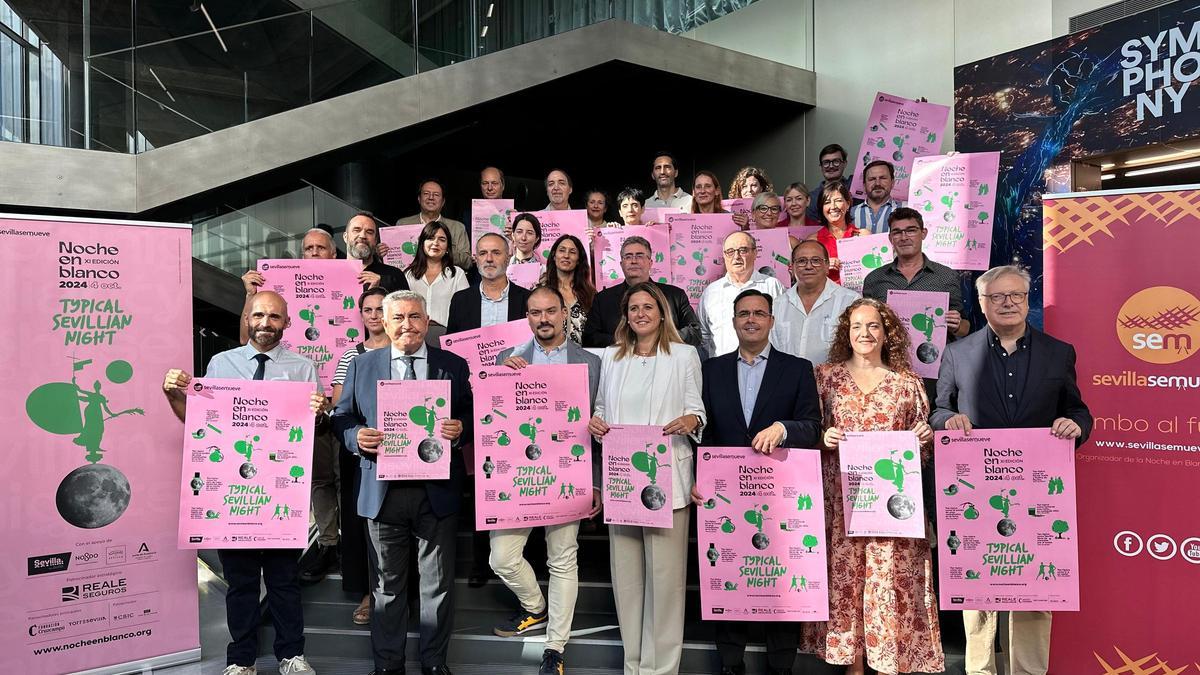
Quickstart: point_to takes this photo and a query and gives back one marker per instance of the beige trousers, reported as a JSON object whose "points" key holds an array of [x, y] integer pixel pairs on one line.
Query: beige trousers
{"points": [[1028, 646], [562, 548], [649, 573], [325, 503]]}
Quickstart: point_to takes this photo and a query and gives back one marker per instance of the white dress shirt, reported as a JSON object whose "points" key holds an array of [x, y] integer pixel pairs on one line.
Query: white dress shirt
{"points": [[809, 334], [716, 310], [438, 294]]}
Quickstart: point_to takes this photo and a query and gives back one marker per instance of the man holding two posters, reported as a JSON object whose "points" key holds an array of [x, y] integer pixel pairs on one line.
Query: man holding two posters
{"points": [[1009, 375], [550, 346], [398, 511], [263, 358], [761, 398]]}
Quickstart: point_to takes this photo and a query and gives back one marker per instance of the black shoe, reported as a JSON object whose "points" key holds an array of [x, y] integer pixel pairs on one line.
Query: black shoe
{"points": [[436, 670], [522, 622], [316, 565], [479, 578], [387, 671], [552, 663], [733, 670]]}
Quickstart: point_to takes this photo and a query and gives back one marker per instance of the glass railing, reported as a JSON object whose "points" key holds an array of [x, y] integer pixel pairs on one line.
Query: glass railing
{"points": [[274, 228], [156, 72]]}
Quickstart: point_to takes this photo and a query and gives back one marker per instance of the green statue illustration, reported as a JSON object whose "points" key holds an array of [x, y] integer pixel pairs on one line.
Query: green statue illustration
{"points": [[647, 462], [68, 408]]}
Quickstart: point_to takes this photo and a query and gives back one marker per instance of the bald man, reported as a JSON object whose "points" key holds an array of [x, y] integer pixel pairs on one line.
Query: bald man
{"points": [[740, 251], [262, 358]]}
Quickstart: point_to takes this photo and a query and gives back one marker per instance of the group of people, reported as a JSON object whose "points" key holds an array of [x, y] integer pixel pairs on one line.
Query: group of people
{"points": [[754, 365]]}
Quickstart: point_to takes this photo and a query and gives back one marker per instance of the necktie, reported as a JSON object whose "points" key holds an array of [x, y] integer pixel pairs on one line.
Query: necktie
{"points": [[410, 371], [262, 366]]}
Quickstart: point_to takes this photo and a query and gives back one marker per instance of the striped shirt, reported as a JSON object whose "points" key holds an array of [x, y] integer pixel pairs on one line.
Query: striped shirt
{"points": [[875, 221], [932, 277]]}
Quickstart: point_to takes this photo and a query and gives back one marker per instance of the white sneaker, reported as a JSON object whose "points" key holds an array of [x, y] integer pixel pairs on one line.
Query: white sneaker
{"points": [[296, 664], [239, 670]]}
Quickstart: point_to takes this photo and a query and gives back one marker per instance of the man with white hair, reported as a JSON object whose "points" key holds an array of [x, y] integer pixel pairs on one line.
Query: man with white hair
{"points": [[740, 250], [399, 511], [1009, 375]]}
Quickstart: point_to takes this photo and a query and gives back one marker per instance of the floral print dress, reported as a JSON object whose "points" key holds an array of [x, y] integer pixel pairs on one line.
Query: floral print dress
{"points": [[881, 599]]}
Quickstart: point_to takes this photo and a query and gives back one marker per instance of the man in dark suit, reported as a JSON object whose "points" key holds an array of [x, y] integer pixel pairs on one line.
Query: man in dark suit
{"points": [[398, 511], [762, 398], [494, 299], [606, 307], [1009, 375]]}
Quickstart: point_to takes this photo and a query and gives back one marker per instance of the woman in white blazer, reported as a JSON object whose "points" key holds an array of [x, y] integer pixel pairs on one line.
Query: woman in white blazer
{"points": [[651, 377]]}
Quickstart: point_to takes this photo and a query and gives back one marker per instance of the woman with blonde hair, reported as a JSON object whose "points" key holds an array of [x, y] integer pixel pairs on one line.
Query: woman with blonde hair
{"points": [[706, 193]]}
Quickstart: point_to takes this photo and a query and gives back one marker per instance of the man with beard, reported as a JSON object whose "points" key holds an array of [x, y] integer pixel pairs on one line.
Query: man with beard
{"points": [[401, 511], [263, 358], [872, 215], [716, 304], [362, 242], [547, 319], [761, 398], [636, 259], [666, 194]]}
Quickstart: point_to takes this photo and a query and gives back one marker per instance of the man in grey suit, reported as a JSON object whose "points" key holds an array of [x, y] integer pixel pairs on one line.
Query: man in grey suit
{"points": [[399, 511], [432, 199], [547, 312]]}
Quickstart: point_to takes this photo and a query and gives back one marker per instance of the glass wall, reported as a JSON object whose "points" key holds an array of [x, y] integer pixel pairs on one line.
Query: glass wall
{"points": [[132, 75]]}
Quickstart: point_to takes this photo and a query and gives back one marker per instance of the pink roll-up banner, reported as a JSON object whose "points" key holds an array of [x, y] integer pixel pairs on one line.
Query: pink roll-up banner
{"points": [[696, 258], [533, 462], [401, 241], [489, 215], [481, 346], [322, 298], [97, 312], [247, 464], [924, 315], [760, 535], [526, 275], [898, 131], [881, 483], [606, 263], [410, 416], [774, 256], [555, 224], [637, 476], [1006, 515], [862, 255], [956, 195]]}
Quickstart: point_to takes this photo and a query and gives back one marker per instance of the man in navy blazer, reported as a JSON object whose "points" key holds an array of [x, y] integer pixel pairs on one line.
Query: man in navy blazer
{"points": [[762, 398], [399, 511], [1009, 375]]}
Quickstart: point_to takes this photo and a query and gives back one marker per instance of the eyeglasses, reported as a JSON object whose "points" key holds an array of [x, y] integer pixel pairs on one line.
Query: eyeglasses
{"points": [[809, 262], [758, 314], [763, 208], [632, 257], [741, 250], [1017, 297], [832, 163], [906, 232]]}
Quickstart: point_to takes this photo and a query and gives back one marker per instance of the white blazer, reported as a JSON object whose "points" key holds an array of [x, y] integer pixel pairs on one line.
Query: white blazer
{"points": [[677, 391]]}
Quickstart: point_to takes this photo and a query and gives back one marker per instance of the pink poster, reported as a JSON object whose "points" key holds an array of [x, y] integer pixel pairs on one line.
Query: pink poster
{"points": [[881, 483], [402, 244], [802, 232], [898, 131], [489, 215], [774, 254], [481, 346], [956, 195], [760, 535], [924, 315], [1006, 514], [862, 255], [532, 460], [557, 223], [97, 312], [657, 215], [410, 416], [526, 275], [606, 263], [696, 258], [247, 464], [637, 476], [322, 296], [740, 205]]}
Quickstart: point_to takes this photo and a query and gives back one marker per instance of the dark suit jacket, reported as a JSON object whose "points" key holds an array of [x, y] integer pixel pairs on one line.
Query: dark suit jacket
{"points": [[391, 278], [788, 395], [1050, 390], [357, 409], [466, 312], [605, 314]]}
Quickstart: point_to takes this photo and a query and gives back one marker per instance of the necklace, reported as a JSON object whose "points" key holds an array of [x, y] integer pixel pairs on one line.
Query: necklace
{"points": [[644, 357]]}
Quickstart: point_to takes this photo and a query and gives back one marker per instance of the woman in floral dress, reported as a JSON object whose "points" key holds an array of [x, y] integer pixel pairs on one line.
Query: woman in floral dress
{"points": [[881, 600]]}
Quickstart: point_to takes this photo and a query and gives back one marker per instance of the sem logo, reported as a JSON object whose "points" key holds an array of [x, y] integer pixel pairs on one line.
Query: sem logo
{"points": [[1160, 324], [70, 593]]}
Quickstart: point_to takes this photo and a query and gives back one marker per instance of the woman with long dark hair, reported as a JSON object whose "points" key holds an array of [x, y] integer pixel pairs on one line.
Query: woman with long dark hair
{"points": [[836, 224], [568, 272], [433, 274]]}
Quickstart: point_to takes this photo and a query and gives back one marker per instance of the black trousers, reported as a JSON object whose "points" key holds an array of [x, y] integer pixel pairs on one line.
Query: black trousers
{"points": [[404, 519], [279, 568], [353, 543], [782, 638]]}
